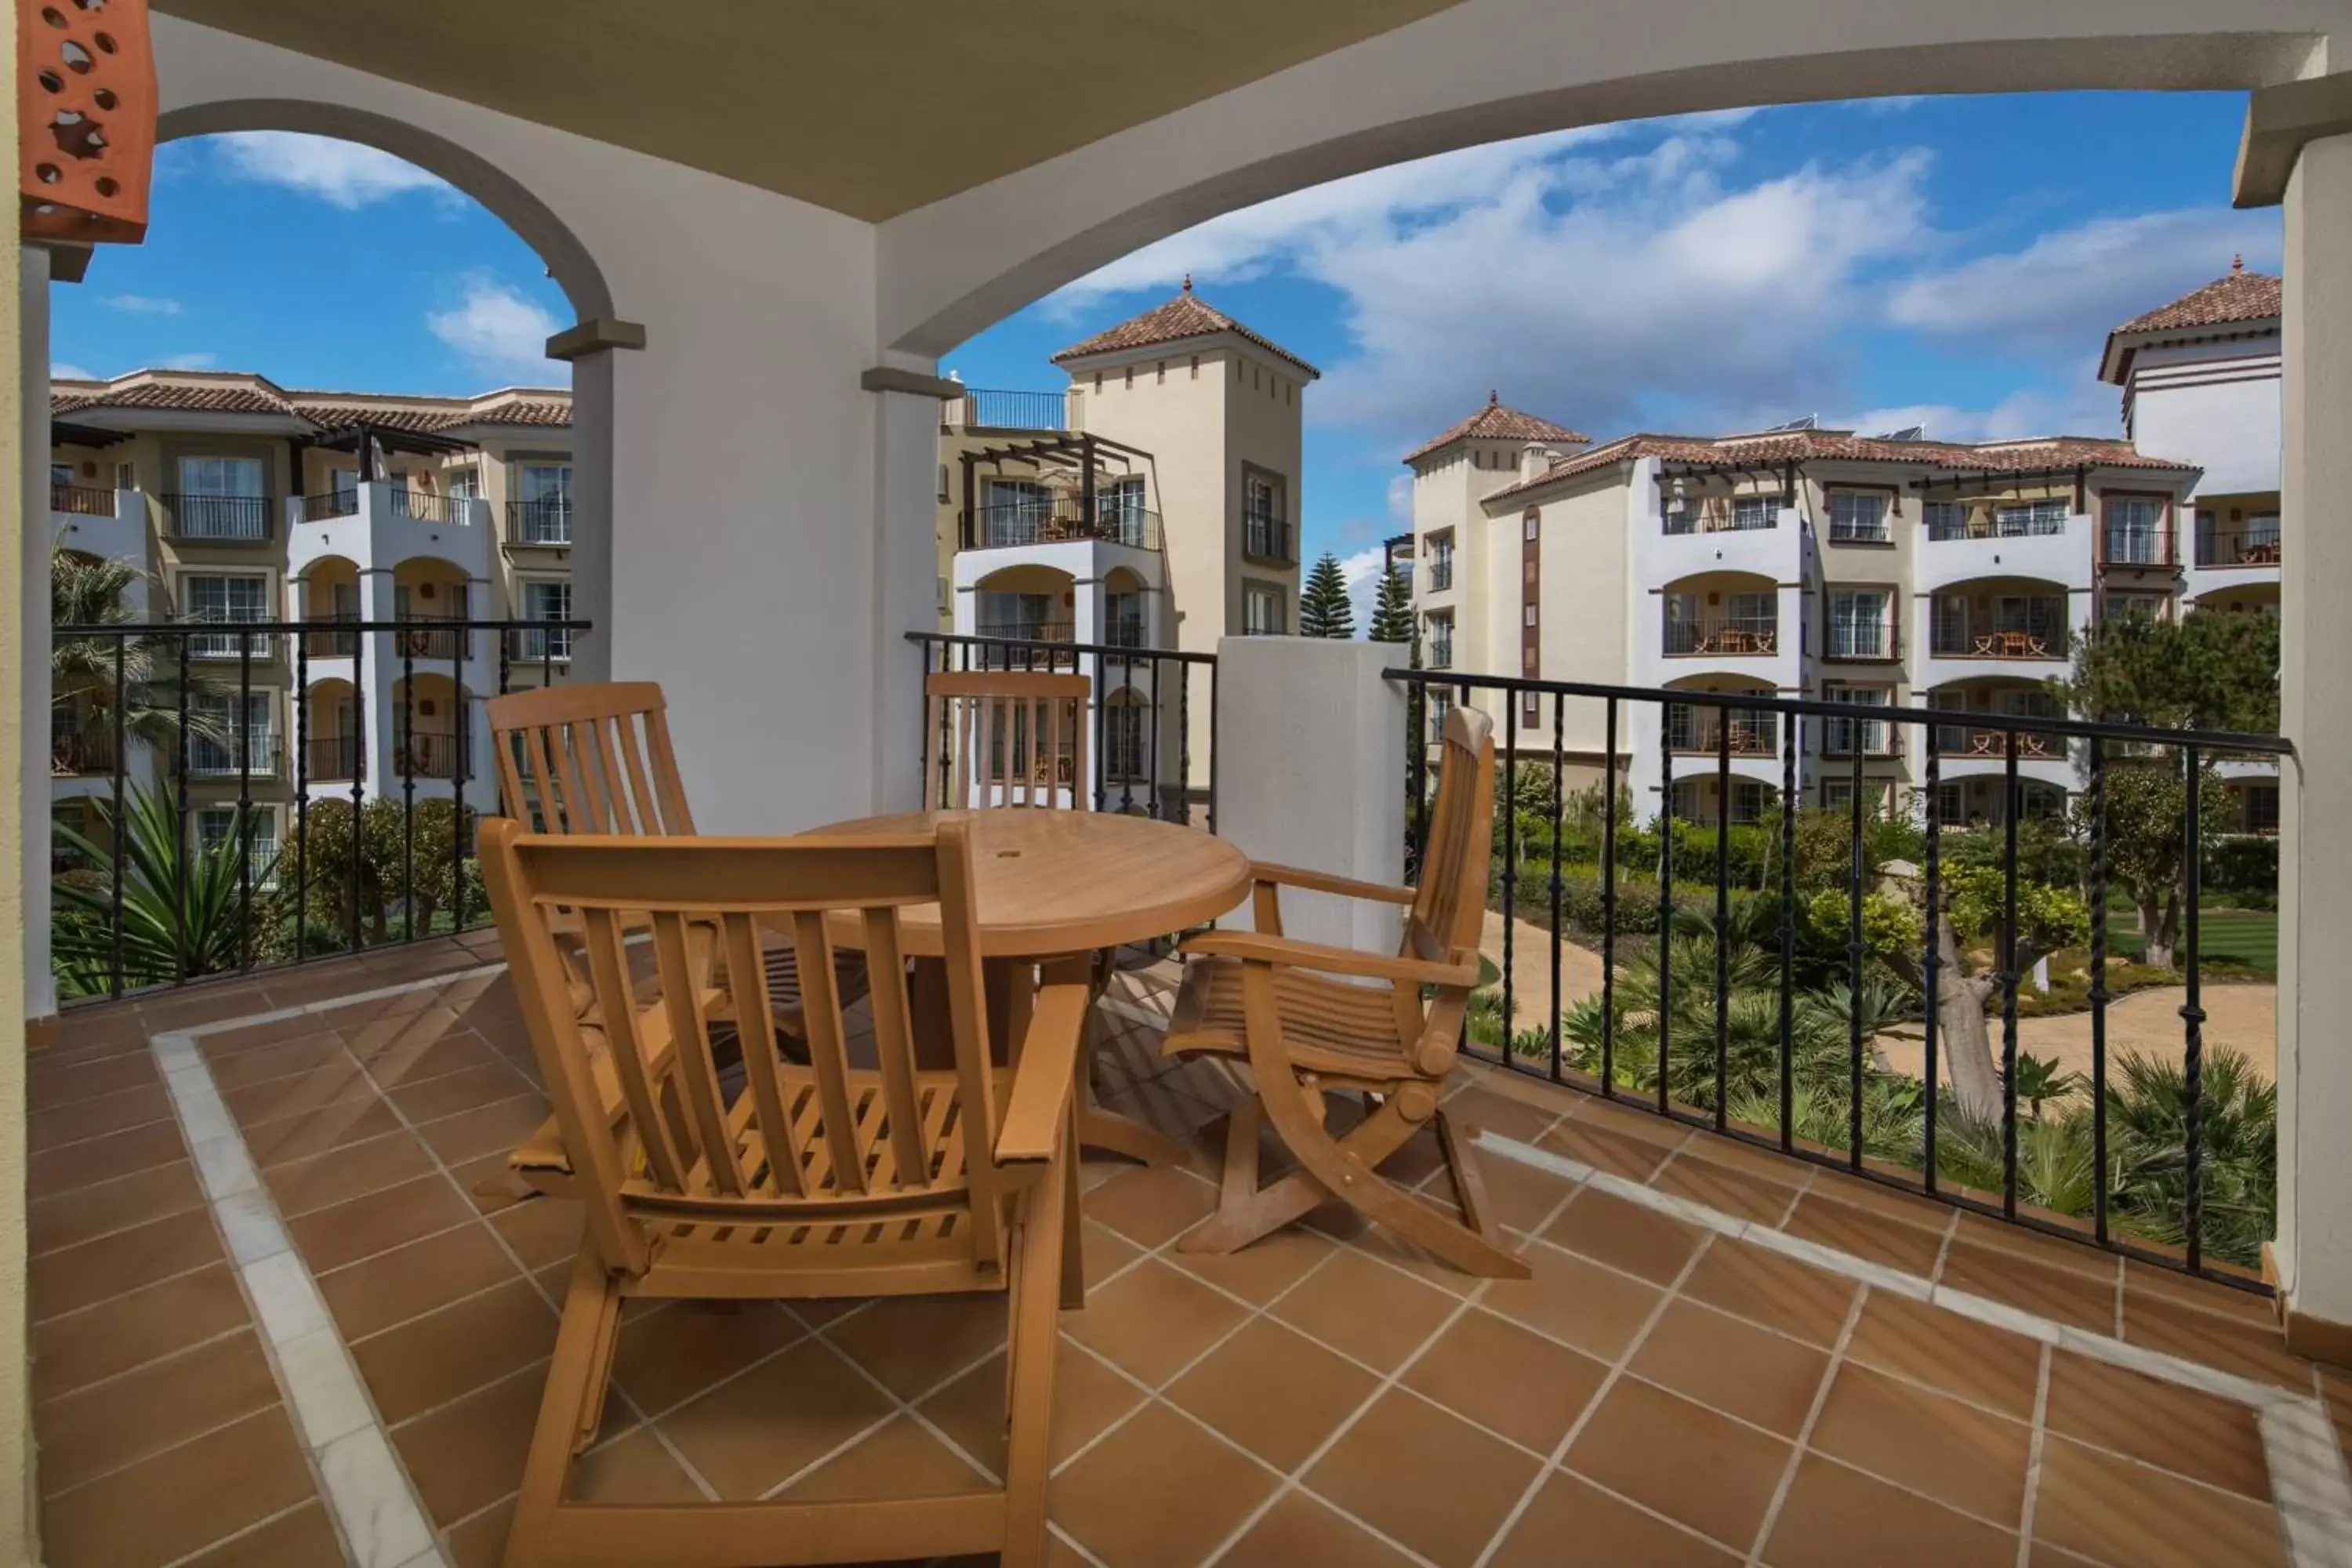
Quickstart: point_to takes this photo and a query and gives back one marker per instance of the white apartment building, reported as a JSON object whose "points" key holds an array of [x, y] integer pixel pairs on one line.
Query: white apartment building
{"points": [[1151, 503], [2200, 379], [237, 500], [1873, 570]]}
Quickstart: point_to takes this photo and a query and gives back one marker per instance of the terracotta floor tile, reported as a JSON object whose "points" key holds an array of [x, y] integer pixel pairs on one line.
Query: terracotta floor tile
{"points": [[102, 1207], [1983, 1365], [467, 1455], [542, 1231], [1150, 1205], [668, 1357], [127, 1331], [408, 1281], [1957, 1454], [1365, 1309], [1740, 1193], [469, 1089], [2188, 1291], [1867, 1234], [901, 1459], [300, 1186], [54, 1171], [300, 1137], [1594, 1309], [1507, 1379], [1633, 1118], [635, 1468], [180, 1500], [302, 1538], [2251, 1349], [1088, 1396], [1625, 1235], [2085, 1301], [1157, 1491], [1573, 1521], [208, 1004], [221, 1044], [1907, 1204], [484, 1182], [1747, 1281], [81, 1275], [1274, 1392], [913, 1344], [1298, 1530], [333, 1081], [1835, 1518], [240, 1066], [1105, 1251], [430, 1360], [1262, 1270], [1606, 1148], [94, 1118], [481, 1541], [1646, 1445], [2058, 1252], [777, 1419], [1520, 1194], [1154, 1320], [158, 1406], [363, 1227], [1521, 1118], [491, 1130], [2117, 1510], [128, 1068], [402, 1068], [2208, 1438], [1729, 1365], [1424, 1478], [99, 1024]]}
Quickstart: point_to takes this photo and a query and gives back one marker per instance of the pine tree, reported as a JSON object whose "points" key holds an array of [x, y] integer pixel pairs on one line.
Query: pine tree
{"points": [[1323, 608], [1393, 611]]}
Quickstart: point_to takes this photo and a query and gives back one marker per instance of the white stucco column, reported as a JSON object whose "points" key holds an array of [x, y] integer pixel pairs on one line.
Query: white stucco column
{"points": [[33, 553], [906, 578], [591, 511], [2314, 1251], [1310, 772]]}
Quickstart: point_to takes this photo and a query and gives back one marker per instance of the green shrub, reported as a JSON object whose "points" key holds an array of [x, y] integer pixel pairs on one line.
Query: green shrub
{"points": [[2243, 863]]}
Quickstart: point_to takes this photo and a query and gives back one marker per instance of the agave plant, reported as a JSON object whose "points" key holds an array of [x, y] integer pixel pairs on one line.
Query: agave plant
{"points": [[186, 904]]}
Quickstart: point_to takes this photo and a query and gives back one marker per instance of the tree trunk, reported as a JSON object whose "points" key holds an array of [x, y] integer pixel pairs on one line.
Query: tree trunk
{"points": [[2159, 924], [1961, 1032]]}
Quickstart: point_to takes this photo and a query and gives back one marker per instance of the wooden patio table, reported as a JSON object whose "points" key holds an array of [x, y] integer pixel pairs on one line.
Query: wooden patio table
{"points": [[1059, 887]]}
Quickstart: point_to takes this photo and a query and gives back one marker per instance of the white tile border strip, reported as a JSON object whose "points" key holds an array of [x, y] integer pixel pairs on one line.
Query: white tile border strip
{"points": [[378, 1515], [2309, 1487]]}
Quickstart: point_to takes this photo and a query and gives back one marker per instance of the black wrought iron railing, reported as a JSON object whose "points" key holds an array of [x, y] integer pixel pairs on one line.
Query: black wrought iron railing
{"points": [[1002, 409], [2253, 544], [1152, 754], [539, 642], [2137, 547], [220, 519], [1441, 574], [77, 751], [2037, 636], [1114, 520], [1844, 983], [1268, 538], [435, 638], [1973, 524], [328, 505], [1723, 635], [82, 500], [215, 849], [428, 506], [341, 644], [539, 522]]}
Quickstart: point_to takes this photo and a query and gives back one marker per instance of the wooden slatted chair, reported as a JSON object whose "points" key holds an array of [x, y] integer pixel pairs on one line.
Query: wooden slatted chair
{"points": [[1264, 997], [1008, 738], [824, 1180], [600, 755]]}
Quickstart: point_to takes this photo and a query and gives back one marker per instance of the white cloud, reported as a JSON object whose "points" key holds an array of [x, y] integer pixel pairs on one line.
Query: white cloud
{"points": [[1894, 103], [2067, 290], [2080, 405], [1362, 571], [60, 370], [500, 332], [141, 305], [187, 361], [344, 173]]}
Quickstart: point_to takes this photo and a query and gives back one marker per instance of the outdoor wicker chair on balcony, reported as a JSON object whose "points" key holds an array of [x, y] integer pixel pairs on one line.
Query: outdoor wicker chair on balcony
{"points": [[823, 1180], [1262, 997]]}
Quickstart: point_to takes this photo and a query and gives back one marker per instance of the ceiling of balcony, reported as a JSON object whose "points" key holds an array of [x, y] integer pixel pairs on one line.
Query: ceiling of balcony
{"points": [[839, 102]]}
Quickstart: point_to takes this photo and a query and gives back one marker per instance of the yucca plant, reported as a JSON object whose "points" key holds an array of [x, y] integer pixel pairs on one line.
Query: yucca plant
{"points": [[2147, 1131], [185, 904]]}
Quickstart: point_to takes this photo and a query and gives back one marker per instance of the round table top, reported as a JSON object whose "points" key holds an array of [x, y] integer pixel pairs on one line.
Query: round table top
{"points": [[1052, 882]]}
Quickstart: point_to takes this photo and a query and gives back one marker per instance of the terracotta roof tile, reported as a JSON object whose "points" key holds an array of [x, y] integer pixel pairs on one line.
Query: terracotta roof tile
{"points": [[1770, 448], [239, 393], [1497, 423], [1186, 316], [2236, 296]]}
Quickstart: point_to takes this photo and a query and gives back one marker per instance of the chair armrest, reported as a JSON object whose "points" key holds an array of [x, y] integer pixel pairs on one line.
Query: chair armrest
{"points": [[1037, 1112], [1321, 882], [1253, 947]]}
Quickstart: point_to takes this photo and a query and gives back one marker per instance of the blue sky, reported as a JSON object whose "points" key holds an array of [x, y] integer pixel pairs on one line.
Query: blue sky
{"points": [[1954, 262]]}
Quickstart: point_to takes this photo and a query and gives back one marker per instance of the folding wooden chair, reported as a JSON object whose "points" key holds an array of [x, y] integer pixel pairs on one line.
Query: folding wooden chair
{"points": [[1009, 738], [826, 1179], [1263, 996]]}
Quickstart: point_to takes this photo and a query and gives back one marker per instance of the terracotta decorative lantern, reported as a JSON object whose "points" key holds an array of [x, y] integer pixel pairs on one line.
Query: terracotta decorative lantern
{"points": [[85, 119]]}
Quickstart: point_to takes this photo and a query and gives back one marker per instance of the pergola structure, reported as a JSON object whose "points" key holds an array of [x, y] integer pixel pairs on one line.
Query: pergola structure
{"points": [[771, 220], [1087, 457]]}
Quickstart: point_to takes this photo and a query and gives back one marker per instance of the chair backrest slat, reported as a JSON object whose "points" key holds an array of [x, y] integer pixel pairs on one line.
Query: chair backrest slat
{"points": [[1002, 735], [600, 754], [828, 1146], [1450, 904]]}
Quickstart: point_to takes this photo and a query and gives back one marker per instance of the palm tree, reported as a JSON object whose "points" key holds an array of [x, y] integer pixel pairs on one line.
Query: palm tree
{"points": [[86, 591]]}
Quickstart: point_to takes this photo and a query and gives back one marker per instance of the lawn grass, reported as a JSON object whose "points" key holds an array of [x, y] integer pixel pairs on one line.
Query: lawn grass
{"points": [[2243, 937]]}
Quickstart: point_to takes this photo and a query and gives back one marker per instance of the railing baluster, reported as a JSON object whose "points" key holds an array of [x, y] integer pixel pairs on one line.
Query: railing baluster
{"points": [[362, 666], [1792, 739], [1722, 917], [1857, 872], [179, 847], [120, 832], [408, 785], [1558, 809], [301, 797], [2008, 979], [1931, 963], [1510, 863], [1665, 939], [461, 770], [1608, 904], [2097, 788], [1183, 740], [2193, 1018], [243, 842]]}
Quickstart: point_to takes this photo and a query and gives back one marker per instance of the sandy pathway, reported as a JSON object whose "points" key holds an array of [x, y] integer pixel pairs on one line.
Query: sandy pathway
{"points": [[1580, 969], [2239, 1017]]}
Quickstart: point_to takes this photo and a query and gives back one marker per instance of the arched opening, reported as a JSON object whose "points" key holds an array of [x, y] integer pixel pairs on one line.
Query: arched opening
{"points": [[1721, 616], [328, 589], [1127, 609], [431, 730], [1031, 602], [2022, 620], [330, 752]]}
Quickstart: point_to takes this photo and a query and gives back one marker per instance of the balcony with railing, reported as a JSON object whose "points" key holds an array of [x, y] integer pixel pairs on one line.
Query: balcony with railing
{"points": [[2137, 548], [539, 645], [1266, 537], [1441, 573], [217, 520], [82, 749], [230, 645], [546, 522], [1849, 733], [255, 753], [1955, 740], [340, 644], [997, 409], [1062, 519], [2037, 632], [384, 523], [1694, 728], [430, 755], [82, 500], [1748, 636], [2250, 544], [331, 759]]}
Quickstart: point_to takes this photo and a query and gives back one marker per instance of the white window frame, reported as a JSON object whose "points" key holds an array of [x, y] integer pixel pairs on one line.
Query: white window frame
{"points": [[1847, 525], [1882, 646], [224, 644]]}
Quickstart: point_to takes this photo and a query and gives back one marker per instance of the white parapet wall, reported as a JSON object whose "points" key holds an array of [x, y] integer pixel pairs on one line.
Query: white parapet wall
{"points": [[1310, 772]]}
